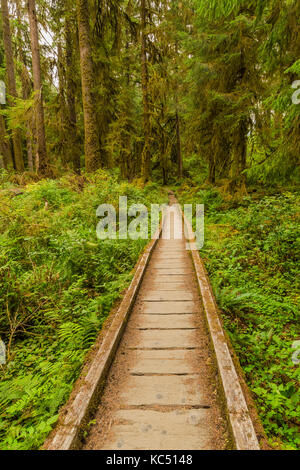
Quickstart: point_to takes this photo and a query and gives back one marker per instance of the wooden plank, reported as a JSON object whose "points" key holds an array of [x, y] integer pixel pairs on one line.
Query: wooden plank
{"points": [[163, 296], [178, 361], [168, 390], [166, 308], [163, 321], [162, 339], [131, 430]]}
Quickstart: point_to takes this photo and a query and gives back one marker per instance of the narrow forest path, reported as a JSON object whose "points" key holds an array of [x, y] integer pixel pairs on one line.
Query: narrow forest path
{"points": [[161, 391]]}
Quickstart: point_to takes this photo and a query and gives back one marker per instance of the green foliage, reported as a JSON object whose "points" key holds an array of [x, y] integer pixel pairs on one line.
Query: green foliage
{"points": [[20, 115], [244, 57], [58, 283], [219, 92], [251, 253]]}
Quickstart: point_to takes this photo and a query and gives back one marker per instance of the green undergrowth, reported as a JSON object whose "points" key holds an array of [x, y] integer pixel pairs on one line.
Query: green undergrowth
{"points": [[58, 283], [251, 253]]}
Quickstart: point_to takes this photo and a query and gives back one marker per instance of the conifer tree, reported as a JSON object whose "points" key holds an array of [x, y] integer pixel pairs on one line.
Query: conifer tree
{"points": [[74, 141], [146, 155], [11, 82], [92, 146], [42, 161]]}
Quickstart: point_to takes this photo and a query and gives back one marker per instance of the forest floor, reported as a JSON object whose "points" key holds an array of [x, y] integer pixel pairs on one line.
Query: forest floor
{"points": [[58, 284]]}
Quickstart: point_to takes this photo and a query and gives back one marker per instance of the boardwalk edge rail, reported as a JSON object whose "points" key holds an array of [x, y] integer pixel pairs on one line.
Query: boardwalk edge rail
{"points": [[240, 421], [66, 436]]}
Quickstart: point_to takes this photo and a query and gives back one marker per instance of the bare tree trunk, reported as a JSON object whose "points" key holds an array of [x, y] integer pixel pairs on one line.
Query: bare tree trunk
{"points": [[71, 103], [92, 144], [11, 82], [146, 155], [42, 158]]}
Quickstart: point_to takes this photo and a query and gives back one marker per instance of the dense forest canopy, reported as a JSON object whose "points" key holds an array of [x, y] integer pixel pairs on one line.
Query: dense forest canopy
{"points": [[152, 88]]}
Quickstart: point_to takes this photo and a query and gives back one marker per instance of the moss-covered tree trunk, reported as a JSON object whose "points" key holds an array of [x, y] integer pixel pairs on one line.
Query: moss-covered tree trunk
{"points": [[26, 83], [64, 144], [42, 161], [239, 156], [177, 117], [178, 147], [11, 82], [146, 155], [212, 169], [70, 93], [26, 91], [5, 149], [91, 142]]}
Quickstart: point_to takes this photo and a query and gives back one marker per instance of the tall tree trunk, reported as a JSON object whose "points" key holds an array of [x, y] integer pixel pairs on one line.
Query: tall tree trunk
{"points": [[146, 155], [92, 144], [64, 143], [71, 90], [11, 82], [26, 85], [178, 147], [238, 179], [178, 136], [26, 89], [43, 164], [126, 155], [5, 149], [212, 169]]}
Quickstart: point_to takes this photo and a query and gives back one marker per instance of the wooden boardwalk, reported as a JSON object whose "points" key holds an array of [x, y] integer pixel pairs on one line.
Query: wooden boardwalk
{"points": [[163, 377], [161, 391]]}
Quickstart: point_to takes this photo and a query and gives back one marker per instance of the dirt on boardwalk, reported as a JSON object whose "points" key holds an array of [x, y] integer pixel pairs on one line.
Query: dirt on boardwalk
{"points": [[162, 389]]}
